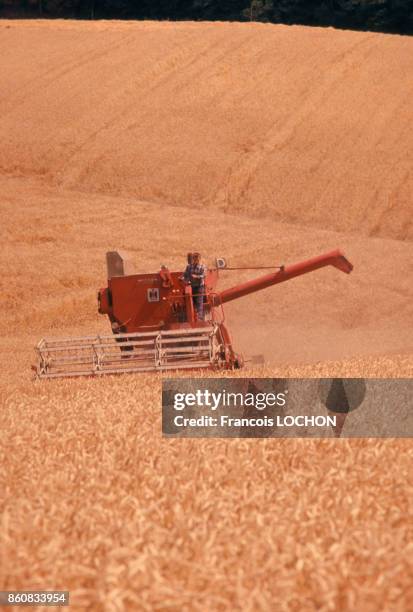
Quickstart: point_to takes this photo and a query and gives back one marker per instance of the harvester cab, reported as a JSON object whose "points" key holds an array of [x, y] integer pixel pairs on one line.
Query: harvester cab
{"points": [[155, 326]]}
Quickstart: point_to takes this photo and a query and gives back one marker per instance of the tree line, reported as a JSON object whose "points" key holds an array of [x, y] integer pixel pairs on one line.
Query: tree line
{"points": [[394, 16]]}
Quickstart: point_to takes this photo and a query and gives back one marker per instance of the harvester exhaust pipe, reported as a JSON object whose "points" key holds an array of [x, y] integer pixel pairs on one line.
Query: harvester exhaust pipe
{"points": [[334, 258]]}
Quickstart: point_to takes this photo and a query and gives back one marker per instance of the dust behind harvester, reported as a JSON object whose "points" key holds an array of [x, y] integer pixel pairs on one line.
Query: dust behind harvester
{"points": [[155, 325]]}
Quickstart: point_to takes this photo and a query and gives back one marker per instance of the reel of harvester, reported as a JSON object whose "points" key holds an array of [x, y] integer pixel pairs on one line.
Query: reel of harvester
{"points": [[155, 326], [136, 352]]}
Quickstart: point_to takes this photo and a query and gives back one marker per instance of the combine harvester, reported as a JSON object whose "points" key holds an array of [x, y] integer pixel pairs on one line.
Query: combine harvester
{"points": [[154, 322]]}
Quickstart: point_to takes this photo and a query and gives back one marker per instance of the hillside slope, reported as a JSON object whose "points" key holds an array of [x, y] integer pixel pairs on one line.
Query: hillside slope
{"points": [[304, 125]]}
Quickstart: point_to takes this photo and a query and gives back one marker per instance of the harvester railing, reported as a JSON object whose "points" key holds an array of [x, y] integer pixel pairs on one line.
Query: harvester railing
{"points": [[130, 352]]}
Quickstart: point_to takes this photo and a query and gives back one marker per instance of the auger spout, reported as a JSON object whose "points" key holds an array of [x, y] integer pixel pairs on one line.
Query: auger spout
{"points": [[285, 273]]}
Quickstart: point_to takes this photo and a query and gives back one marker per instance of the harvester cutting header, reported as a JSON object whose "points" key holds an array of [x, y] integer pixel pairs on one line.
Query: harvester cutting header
{"points": [[164, 320]]}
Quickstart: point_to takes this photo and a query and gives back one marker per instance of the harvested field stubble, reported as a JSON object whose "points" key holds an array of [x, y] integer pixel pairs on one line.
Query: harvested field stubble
{"points": [[308, 127]]}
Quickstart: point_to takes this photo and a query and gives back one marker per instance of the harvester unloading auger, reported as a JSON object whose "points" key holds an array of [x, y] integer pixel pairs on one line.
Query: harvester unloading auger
{"points": [[155, 326]]}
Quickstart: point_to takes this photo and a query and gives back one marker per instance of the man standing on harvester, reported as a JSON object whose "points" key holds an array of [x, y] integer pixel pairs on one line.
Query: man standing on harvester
{"points": [[194, 275]]}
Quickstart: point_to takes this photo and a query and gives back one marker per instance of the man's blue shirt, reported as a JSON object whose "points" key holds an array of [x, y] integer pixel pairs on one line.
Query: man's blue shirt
{"points": [[195, 269]]}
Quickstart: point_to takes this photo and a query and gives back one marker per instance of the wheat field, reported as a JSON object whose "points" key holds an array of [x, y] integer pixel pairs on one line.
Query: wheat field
{"points": [[264, 144]]}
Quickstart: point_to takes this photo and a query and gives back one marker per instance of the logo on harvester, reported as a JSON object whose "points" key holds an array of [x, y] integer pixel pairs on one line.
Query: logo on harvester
{"points": [[153, 295]]}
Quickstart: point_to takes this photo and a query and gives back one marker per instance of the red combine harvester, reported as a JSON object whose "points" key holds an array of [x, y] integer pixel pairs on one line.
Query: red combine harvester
{"points": [[155, 325]]}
